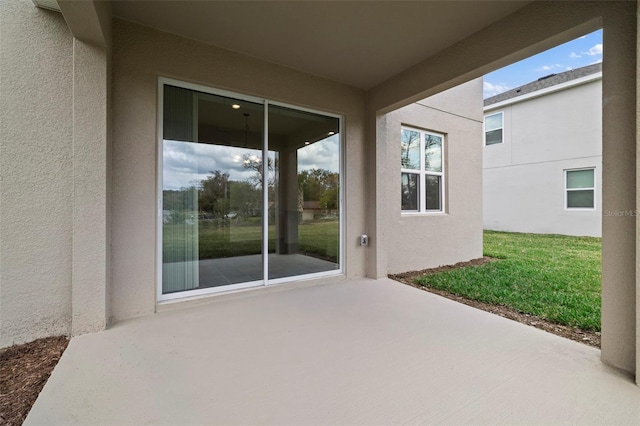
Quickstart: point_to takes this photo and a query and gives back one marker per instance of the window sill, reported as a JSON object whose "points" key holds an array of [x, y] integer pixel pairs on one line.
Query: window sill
{"points": [[423, 214]]}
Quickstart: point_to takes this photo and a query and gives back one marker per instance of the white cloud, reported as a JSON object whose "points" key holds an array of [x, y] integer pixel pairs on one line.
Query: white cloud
{"points": [[490, 89], [552, 67], [594, 51], [320, 155], [574, 55]]}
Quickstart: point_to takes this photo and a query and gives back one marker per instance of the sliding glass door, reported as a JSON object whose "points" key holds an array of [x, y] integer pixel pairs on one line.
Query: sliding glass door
{"points": [[304, 199], [250, 192]]}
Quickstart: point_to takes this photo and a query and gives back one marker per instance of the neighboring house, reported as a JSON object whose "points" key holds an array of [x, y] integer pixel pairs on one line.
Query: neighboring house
{"points": [[543, 156], [112, 112]]}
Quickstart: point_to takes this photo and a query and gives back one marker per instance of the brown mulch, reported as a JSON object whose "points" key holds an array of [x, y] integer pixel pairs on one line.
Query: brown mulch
{"points": [[587, 337], [24, 369]]}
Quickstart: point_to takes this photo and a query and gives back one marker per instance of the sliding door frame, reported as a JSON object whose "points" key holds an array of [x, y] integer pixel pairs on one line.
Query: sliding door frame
{"points": [[164, 298]]}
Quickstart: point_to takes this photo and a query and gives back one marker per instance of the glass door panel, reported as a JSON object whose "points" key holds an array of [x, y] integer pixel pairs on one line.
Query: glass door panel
{"points": [[304, 195], [211, 190]]}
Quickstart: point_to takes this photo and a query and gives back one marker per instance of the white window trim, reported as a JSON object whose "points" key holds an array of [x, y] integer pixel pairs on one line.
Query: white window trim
{"points": [[422, 173], [484, 128], [566, 190]]}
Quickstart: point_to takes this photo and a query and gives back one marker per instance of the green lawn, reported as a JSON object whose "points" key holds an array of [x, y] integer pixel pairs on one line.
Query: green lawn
{"points": [[318, 238], [554, 277]]}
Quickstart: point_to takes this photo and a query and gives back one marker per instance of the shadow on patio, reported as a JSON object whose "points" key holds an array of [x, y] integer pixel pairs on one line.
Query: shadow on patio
{"points": [[354, 352]]}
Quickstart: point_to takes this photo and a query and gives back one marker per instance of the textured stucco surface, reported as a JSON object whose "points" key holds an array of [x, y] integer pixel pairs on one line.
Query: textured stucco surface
{"points": [[420, 241], [90, 262], [619, 310], [524, 176], [36, 173], [140, 55]]}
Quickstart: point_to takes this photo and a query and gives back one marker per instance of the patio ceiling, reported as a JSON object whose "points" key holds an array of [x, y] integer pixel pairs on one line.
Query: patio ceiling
{"points": [[357, 43]]}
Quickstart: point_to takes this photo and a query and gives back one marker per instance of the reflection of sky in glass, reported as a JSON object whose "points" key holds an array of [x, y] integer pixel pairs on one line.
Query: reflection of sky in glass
{"points": [[410, 154], [187, 163], [433, 153], [492, 122], [324, 154]]}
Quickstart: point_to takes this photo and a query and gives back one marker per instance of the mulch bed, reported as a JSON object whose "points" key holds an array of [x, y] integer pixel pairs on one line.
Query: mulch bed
{"points": [[24, 369], [587, 337]]}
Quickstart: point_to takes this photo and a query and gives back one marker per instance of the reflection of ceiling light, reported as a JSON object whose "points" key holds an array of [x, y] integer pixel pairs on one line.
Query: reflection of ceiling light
{"points": [[307, 143], [332, 133], [246, 161], [235, 106]]}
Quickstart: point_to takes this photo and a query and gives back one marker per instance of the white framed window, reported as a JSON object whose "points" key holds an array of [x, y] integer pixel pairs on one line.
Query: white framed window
{"points": [[422, 171], [494, 129], [580, 189]]}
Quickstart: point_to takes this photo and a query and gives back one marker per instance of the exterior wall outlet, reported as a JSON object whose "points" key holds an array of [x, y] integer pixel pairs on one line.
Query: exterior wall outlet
{"points": [[364, 240]]}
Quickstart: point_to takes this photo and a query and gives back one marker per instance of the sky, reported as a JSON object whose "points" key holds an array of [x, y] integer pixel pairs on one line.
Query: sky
{"points": [[577, 53]]}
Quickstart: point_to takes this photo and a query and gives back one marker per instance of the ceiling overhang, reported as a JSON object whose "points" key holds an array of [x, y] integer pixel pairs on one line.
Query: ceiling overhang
{"points": [[358, 43]]}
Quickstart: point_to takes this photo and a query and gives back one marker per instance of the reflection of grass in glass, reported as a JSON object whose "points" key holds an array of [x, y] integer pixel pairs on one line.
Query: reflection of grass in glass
{"points": [[319, 239]]}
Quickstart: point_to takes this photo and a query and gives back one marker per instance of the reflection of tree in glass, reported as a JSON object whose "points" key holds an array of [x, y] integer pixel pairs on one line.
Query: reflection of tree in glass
{"points": [[320, 185], [433, 153], [253, 162], [408, 139], [214, 194]]}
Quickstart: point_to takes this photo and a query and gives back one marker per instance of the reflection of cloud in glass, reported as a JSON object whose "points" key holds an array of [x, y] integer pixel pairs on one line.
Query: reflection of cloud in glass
{"points": [[320, 155], [187, 163], [433, 153]]}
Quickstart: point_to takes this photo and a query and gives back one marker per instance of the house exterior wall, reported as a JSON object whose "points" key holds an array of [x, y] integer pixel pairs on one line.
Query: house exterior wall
{"points": [[36, 166], [140, 56], [35, 82], [427, 240], [524, 177]]}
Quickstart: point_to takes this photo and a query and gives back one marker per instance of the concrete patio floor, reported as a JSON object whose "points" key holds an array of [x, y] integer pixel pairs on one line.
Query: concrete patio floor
{"points": [[353, 352]]}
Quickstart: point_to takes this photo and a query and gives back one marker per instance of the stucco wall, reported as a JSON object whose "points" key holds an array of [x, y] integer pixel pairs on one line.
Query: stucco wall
{"points": [[418, 241], [36, 176], [524, 175], [140, 55]]}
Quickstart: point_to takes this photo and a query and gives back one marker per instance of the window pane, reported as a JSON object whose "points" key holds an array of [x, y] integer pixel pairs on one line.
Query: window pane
{"points": [[494, 136], [580, 179], [211, 191], [410, 191], [580, 199], [493, 122], [303, 192], [410, 145], [433, 192], [433, 153]]}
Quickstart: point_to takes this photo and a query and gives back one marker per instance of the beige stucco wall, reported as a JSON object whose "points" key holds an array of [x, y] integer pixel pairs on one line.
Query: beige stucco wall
{"points": [[36, 182], [619, 192], [140, 56], [419, 241]]}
